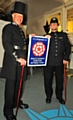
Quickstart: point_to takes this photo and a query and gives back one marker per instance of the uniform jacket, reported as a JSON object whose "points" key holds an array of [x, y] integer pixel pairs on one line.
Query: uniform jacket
{"points": [[59, 49], [12, 35]]}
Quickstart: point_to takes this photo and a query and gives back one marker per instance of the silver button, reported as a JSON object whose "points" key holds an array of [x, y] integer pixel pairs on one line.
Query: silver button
{"points": [[20, 29], [55, 34], [56, 50], [22, 36], [55, 54], [21, 33], [56, 43], [55, 39], [56, 46]]}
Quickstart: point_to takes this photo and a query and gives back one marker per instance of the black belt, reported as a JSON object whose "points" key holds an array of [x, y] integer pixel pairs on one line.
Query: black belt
{"points": [[19, 48]]}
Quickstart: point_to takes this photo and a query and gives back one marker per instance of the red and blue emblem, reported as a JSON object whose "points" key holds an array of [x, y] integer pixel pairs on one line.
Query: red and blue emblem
{"points": [[38, 49]]}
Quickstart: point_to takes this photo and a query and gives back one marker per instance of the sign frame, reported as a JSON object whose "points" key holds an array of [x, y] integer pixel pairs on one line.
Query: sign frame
{"points": [[35, 39]]}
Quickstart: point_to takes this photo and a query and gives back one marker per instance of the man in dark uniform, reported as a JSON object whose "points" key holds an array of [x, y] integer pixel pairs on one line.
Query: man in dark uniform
{"points": [[14, 44], [58, 55]]}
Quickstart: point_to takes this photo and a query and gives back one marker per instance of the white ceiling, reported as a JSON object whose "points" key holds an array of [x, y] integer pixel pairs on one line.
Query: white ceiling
{"points": [[35, 7], [38, 7]]}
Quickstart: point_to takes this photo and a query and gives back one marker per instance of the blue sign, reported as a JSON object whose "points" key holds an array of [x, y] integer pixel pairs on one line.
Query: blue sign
{"points": [[38, 50]]}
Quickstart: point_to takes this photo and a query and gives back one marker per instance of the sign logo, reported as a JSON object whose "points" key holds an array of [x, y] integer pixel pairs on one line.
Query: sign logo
{"points": [[56, 114], [38, 49]]}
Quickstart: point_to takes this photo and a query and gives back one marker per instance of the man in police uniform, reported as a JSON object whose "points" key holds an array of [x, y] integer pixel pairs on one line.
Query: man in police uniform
{"points": [[14, 44], [58, 55]]}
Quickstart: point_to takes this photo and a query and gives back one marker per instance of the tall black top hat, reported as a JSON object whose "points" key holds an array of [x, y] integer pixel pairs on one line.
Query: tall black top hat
{"points": [[20, 7], [54, 20], [46, 27]]}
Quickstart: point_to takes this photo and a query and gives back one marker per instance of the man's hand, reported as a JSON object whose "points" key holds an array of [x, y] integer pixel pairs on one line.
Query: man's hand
{"points": [[22, 61], [48, 36], [65, 62], [32, 34]]}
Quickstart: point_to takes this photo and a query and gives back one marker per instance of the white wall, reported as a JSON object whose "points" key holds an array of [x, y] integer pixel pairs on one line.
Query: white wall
{"points": [[36, 25], [2, 24]]}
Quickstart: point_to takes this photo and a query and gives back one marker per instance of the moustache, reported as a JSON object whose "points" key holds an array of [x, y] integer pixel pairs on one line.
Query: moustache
{"points": [[54, 29]]}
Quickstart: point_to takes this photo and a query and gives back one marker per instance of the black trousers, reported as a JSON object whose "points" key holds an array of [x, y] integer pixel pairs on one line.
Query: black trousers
{"points": [[48, 80], [11, 91]]}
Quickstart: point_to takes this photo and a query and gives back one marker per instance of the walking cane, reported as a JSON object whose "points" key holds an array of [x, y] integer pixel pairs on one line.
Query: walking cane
{"points": [[19, 91], [65, 81]]}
